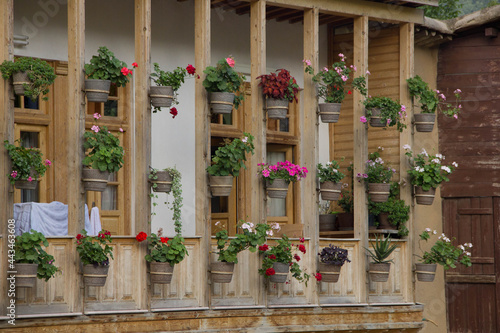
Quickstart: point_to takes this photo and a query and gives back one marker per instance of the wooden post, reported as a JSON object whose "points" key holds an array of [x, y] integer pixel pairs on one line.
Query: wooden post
{"points": [[141, 154], [406, 64], [360, 153], [202, 135], [75, 127], [310, 148], [6, 133]]}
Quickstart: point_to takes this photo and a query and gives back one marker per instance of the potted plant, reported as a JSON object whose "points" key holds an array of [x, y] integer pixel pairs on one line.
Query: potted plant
{"points": [[380, 267], [392, 214], [384, 112], [31, 260], [222, 83], [105, 155], [227, 162], [31, 77], [164, 94], [278, 261], [345, 220], [331, 87], [279, 89], [161, 180], [94, 252], [442, 252], [102, 70], [327, 218], [329, 179], [28, 165], [227, 250], [279, 176], [331, 260], [377, 176], [163, 254], [430, 101], [426, 173]]}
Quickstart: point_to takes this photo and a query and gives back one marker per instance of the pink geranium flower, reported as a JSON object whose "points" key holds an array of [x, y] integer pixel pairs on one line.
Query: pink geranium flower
{"points": [[230, 62]]}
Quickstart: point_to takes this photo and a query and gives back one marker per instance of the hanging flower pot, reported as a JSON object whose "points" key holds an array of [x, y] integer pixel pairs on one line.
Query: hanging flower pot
{"points": [[330, 273], [24, 184], [425, 272], [345, 221], [222, 272], [379, 272], [327, 222], [221, 102], [383, 222], [26, 275], [329, 112], [161, 272], [97, 90], [424, 197], [163, 181], [161, 96], [278, 189], [276, 108], [379, 192], [424, 122], [330, 190], [281, 272], [94, 180], [376, 119], [95, 275], [19, 79], [221, 186]]}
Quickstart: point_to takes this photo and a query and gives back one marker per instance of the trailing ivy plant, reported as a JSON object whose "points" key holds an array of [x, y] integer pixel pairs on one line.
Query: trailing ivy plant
{"points": [[28, 250]]}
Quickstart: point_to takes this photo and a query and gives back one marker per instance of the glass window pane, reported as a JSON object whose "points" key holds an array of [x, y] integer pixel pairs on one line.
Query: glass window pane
{"points": [[30, 139], [276, 207], [285, 125], [227, 119], [111, 108], [17, 101], [31, 104], [220, 205], [30, 195], [108, 198]]}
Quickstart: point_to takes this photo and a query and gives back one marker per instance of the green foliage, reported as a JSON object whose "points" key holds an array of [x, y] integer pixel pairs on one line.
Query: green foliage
{"points": [[382, 249], [94, 250], [26, 162], [174, 78], [346, 195], [376, 170], [230, 157], [40, 74], [163, 249], [392, 113], [105, 66], [177, 194], [330, 172], [223, 78], [444, 253], [279, 86], [249, 239], [28, 250], [447, 9], [399, 213], [428, 170]]}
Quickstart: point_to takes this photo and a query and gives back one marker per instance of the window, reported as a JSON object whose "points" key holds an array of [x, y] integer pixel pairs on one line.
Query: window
{"points": [[280, 210]]}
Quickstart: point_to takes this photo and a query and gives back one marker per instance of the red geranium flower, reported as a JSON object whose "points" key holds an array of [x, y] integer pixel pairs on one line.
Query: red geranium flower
{"points": [[190, 69], [124, 71], [164, 239], [272, 256], [141, 236], [318, 276], [173, 112], [302, 248], [134, 64], [296, 257], [263, 248], [79, 236], [349, 92], [302, 240], [270, 271]]}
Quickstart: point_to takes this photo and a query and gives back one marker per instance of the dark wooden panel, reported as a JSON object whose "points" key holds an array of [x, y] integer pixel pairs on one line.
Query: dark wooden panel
{"points": [[468, 134], [475, 40], [475, 211], [456, 150], [470, 278], [451, 190]]}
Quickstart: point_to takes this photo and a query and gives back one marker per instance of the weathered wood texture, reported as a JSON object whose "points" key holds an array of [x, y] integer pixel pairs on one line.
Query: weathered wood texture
{"points": [[472, 292], [471, 64]]}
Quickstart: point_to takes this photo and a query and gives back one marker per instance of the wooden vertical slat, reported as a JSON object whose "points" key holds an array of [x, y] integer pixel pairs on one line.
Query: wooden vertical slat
{"points": [[331, 127], [141, 154], [6, 133], [360, 150], [406, 65], [202, 134], [496, 232], [310, 139]]}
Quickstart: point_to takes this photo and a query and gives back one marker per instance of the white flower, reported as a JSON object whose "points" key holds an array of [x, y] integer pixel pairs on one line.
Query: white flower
{"points": [[335, 170], [247, 226], [218, 223], [328, 163], [439, 156], [447, 240], [380, 148], [434, 232], [368, 72], [468, 254], [276, 226], [455, 164], [406, 147], [424, 152], [445, 168], [436, 160], [379, 160], [269, 233], [428, 229], [245, 139], [419, 169], [461, 247], [469, 245]]}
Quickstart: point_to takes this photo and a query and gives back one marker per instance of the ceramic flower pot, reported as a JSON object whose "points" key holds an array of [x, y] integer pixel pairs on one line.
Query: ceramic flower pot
{"points": [[425, 272], [330, 273], [161, 96], [24, 184], [222, 272], [95, 275], [330, 190], [221, 102], [281, 272], [379, 272], [327, 222], [163, 182], [329, 112], [94, 180], [276, 108], [383, 222], [19, 79], [26, 275], [278, 189], [376, 119], [424, 122], [424, 197], [161, 272], [379, 192], [221, 186], [97, 90]]}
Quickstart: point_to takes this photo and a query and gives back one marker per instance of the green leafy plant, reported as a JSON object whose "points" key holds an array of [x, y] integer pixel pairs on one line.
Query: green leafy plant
{"points": [[346, 194], [432, 100], [329, 172], [397, 210], [163, 249], [105, 66], [392, 113], [376, 170], [223, 78], [40, 74], [230, 157], [333, 255], [28, 250], [174, 79], [443, 252], [287, 171], [282, 252], [104, 150], [94, 250], [428, 170], [27, 163], [250, 237], [382, 249], [279, 86]]}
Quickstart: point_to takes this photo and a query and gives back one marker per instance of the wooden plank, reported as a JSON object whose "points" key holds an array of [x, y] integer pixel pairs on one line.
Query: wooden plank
{"points": [[475, 211], [449, 190], [470, 278], [496, 247]]}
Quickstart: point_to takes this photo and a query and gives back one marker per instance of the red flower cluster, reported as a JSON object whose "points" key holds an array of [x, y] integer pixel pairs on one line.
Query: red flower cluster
{"points": [[79, 236], [134, 64], [296, 257], [104, 234], [263, 248], [125, 71], [270, 271], [302, 248], [349, 92], [318, 276], [164, 239], [190, 69], [272, 256], [173, 112], [141, 236], [302, 240]]}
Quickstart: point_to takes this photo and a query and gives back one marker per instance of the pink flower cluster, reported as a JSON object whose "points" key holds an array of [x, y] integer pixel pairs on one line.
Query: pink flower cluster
{"points": [[283, 170]]}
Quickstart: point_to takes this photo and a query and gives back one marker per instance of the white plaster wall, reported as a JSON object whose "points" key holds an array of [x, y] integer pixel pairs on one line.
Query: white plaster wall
{"points": [[111, 23]]}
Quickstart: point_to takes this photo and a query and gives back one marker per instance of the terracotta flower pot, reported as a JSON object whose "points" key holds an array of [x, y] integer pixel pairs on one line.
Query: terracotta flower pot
{"points": [[221, 102], [161, 272], [425, 272], [222, 272], [95, 275], [329, 273], [330, 190], [278, 189], [329, 112], [97, 90], [161, 96], [379, 272], [94, 180], [424, 197], [163, 182], [277, 108], [281, 272], [221, 186], [424, 122], [379, 192]]}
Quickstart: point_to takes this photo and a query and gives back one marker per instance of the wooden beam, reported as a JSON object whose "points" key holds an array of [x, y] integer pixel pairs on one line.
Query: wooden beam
{"points": [[75, 127], [202, 134], [141, 154], [360, 153], [406, 61]]}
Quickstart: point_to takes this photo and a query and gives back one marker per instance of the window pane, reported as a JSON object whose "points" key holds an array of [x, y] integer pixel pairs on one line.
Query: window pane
{"points": [[108, 198], [31, 104], [227, 119], [220, 205], [30, 195], [29, 139], [17, 101], [111, 108], [285, 125], [276, 207]]}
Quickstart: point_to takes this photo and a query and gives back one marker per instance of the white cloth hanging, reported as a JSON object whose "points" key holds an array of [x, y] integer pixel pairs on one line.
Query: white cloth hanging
{"points": [[51, 219], [87, 220], [95, 221]]}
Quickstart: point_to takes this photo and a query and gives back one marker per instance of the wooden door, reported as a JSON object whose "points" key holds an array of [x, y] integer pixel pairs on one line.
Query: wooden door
{"points": [[473, 293]]}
